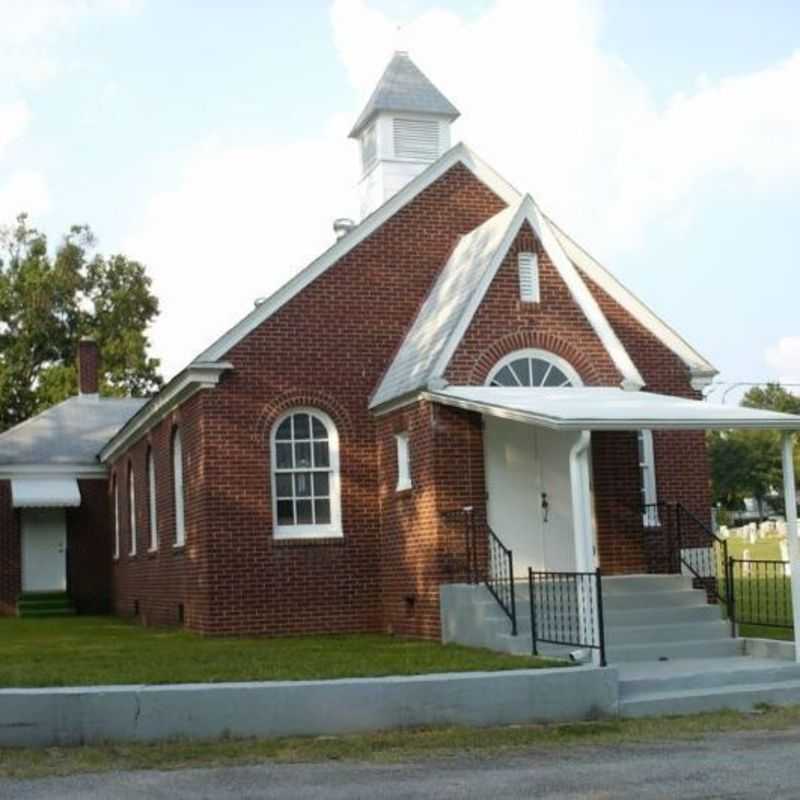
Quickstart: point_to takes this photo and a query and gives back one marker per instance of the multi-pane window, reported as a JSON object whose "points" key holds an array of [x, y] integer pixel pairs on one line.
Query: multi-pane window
{"points": [[530, 369], [151, 500], [305, 475], [177, 477], [132, 510], [647, 469]]}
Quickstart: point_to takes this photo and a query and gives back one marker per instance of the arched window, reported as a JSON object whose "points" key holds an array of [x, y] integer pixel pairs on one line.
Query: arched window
{"points": [[177, 477], [132, 509], [116, 518], [305, 475], [536, 368], [151, 501]]}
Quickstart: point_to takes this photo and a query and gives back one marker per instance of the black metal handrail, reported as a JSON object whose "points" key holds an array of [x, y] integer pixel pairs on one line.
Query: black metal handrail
{"points": [[567, 609], [499, 578], [497, 571], [760, 592], [708, 562]]}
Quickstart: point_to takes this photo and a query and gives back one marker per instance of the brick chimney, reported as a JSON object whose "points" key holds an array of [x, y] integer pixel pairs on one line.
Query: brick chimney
{"points": [[88, 366]]}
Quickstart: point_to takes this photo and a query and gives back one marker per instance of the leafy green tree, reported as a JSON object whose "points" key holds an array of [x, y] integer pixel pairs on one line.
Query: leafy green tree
{"points": [[747, 463], [49, 301]]}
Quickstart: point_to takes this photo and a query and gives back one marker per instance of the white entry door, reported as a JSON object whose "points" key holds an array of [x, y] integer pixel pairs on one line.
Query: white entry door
{"points": [[523, 465], [44, 550]]}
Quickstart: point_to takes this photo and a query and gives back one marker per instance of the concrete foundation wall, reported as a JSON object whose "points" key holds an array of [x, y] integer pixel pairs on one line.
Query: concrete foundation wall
{"points": [[71, 716]]}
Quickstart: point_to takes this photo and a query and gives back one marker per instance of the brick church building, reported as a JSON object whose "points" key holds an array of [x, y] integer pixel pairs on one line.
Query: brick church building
{"points": [[454, 349]]}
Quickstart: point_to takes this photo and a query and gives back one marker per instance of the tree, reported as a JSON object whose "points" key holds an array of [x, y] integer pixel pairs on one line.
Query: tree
{"points": [[49, 302], [747, 463]]}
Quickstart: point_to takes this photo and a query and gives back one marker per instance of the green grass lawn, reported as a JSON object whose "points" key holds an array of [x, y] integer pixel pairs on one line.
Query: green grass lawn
{"points": [[83, 651]]}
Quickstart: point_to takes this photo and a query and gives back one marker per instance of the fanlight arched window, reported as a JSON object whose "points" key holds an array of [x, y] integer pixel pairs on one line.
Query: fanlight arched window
{"points": [[305, 475], [536, 368]]}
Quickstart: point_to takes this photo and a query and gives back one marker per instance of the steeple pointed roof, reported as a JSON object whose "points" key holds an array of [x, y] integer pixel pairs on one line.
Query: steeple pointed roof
{"points": [[404, 87]]}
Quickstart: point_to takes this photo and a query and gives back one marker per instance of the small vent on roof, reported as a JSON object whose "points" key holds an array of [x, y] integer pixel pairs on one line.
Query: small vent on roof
{"points": [[342, 226], [528, 277], [416, 138]]}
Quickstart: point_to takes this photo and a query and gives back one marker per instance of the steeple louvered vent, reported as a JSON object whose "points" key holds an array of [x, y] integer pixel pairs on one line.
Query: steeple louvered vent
{"points": [[416, 138], [528, 265]]}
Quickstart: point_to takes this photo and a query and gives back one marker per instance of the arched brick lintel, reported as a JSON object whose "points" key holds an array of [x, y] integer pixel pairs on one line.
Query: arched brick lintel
{"points": [[297, 398], [520, 340]]}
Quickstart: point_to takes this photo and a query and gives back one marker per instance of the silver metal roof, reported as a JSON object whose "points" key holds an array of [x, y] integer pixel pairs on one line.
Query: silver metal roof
{"points": [[597, 408], [404, 87], [444, 307], [70, 433]]}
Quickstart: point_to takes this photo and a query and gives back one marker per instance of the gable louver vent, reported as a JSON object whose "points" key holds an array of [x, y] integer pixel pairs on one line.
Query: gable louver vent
{"points": [[416, 138], [528, 277]]}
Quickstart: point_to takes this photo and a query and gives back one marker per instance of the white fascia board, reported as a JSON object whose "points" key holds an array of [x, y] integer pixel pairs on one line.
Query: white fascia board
{"points": [[460, 153], [198, 375], [700, 368], [528, 210], [81, 471], [600, 424], [460, 329], [631, 377]]}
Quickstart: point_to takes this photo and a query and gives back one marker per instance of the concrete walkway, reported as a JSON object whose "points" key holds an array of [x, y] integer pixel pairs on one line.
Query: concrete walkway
{"points": [[742, 766]]}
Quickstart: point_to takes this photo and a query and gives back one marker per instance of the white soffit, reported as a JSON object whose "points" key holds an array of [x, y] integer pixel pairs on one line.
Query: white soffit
{"points": [[596, 408], [45, 493]]}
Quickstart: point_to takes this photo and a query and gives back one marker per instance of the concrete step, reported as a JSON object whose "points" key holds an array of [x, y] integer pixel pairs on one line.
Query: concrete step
{"points": [[739, 697], [708, 674], [671, 650], [626, 584], [654, 634], [637, 601], [668, 615]]}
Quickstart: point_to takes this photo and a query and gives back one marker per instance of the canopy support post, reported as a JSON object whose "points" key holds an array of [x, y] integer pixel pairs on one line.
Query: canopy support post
{"points": [[790, 497]]}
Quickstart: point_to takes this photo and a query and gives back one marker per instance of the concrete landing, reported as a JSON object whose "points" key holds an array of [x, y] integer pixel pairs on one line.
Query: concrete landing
{"points": [[691, 685]]}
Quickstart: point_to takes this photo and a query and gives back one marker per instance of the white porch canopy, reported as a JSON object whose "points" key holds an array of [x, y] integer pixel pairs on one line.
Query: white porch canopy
{"points": [[594, 408], [45, 492], [601, 408]]}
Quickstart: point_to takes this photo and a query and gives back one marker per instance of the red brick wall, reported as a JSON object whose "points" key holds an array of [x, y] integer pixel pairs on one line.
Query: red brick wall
{"points": [[327, 348], [420, 548], [161, 581], [10, 555], [504, 324], [89, 549]]}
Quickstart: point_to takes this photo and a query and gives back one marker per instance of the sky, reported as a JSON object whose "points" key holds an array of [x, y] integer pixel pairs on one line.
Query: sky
{"points": [[209, 141]]}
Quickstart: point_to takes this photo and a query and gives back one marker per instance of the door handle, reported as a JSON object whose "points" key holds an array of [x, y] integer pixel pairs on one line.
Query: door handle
{"points": [[545, 507]]}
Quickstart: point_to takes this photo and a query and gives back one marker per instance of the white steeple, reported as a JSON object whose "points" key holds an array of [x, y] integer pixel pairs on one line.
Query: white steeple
{"points": [[404, 127]]}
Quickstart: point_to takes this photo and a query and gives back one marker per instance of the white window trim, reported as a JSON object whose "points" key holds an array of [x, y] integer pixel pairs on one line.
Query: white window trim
{"points": [[334, 528], [403, 462], [116, 519], [545, 355], [647, 471], [152, 504], [132, 510], [178, 489]]}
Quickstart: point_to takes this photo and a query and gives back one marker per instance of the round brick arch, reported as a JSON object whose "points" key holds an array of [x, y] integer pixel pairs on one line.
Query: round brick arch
{"points": [[522, 340], [300, 398]]}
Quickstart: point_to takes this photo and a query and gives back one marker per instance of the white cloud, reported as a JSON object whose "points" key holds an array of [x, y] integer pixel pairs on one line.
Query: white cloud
{"points": [[784, 358], [14, 119], [24, 190], [541, 100]]}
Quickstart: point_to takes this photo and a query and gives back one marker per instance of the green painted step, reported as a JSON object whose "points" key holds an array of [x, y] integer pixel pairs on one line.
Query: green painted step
{"points": [[41, 604]]}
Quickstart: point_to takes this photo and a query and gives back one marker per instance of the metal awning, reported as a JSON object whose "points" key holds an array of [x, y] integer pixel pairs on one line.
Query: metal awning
{"points": [[45, 492], [600, 408]]}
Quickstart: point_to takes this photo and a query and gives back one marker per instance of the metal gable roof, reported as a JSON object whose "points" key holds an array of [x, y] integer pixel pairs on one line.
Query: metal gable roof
{"points": [[459, 290], [70, 433], [404, 87], [592, 408]]}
